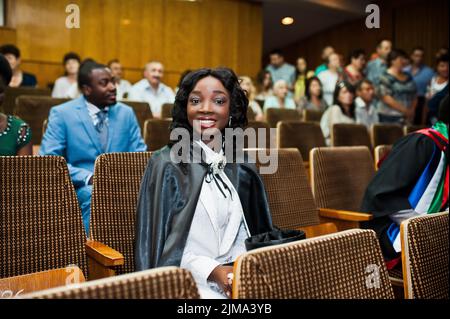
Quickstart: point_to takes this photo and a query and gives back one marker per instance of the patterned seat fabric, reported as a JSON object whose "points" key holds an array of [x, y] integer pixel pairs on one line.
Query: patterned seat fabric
{"points": [[40, 220], [290, 198], [348, 264], [350, 135], [340, 176], [425, 260], [156, 133], [302, 135], [273, 116], [117, 178], [386, 134], [158, 283]]}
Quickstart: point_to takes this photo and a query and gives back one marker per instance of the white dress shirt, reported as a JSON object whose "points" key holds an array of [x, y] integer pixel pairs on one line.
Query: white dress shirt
{"points": [[328, 80], [217, 232], [142, 91], [122, 88], [63, 88]]}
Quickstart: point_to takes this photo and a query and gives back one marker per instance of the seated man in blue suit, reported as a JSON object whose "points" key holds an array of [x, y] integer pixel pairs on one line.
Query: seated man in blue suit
{"points": [[82, 129]]}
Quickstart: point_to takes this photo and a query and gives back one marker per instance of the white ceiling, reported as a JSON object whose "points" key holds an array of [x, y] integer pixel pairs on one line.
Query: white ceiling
{"points": [[310, 16]]}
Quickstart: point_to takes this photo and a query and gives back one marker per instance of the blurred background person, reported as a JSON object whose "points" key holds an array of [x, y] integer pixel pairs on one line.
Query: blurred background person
{"points": [[66, 86], [342, 110], [353, 72], [301, 75], [264, 86], [281, 70], [326, 52], [398, 92], [151, 89], [280, 99], [250, 90], [421, 75], [376, 67], [365, 106], [330, 76], [313, 99], [15, 134], [436, 91], [19, 78], [123, 86]]}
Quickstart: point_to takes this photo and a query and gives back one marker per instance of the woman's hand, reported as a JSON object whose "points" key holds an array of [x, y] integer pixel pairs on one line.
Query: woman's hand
{"points": [[220, 276]]}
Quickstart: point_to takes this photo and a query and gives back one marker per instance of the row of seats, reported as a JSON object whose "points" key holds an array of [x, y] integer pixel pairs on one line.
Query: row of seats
{"points": [[47, 205]]}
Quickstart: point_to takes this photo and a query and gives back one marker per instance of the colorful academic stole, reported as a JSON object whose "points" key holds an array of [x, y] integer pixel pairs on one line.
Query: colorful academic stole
{"points": [[430, 194]]}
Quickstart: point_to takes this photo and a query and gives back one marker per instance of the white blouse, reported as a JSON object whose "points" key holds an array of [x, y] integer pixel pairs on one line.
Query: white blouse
{"points": [[217, 232]]}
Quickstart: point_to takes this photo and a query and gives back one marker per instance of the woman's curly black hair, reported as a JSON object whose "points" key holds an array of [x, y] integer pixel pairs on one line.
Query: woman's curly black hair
{"points": [[238, 98]]}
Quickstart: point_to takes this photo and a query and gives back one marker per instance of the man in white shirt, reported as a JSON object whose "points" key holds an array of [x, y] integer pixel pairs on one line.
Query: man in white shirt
{"points": [[151, 89], [123, 87], [365, 110]]}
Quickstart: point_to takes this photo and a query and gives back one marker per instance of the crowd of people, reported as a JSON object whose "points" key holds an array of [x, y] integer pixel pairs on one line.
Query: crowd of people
{"points": [[213, 219]]}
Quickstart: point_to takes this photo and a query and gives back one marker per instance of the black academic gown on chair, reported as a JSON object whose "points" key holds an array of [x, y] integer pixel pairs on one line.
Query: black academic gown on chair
{"points": [[167, 201]]}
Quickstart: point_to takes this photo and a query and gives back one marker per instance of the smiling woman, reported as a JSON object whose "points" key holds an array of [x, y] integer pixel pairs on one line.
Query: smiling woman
{"points": [[198, 215]]}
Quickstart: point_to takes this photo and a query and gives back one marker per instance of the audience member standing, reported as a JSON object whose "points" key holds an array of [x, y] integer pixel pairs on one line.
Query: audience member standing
{"points": [[353, 72], [301, 76], [66, 86], [365, 106], [93, 124], [151, 89], [398, 92], [19, 78], [326, 52], [330, 77], [280, 70], [122, 85], [342, 110], [280, 99], [421, 75], [437, 89], [376, 67]]}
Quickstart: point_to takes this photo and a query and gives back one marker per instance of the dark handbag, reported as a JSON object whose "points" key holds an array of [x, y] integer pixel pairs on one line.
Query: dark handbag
{"points": [[274, 237]]}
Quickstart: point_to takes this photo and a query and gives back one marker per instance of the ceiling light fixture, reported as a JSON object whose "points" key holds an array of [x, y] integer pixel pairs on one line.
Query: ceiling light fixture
{"points": [[287, 20]]}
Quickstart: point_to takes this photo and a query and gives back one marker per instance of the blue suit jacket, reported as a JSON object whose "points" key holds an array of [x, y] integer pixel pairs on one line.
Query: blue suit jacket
{"points": [[70, 133]]}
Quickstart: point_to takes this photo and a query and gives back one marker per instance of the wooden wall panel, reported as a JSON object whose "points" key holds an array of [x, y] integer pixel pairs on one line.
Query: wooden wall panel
{"points": [[407, 23], [183, 35], [7, 35]]}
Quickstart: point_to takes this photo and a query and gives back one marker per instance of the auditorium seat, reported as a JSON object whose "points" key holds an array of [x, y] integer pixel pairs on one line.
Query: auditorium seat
{"points": [[17, 286], [260, 128], [166, 111], [339, 178], [156, 133], [157, 283], [312, 115], [425, 250], [302, 135], [385, 134], [40, 220], [350, 135], [34, 110], [344, 265], [117, 178], [142, 111], [274, 115], [11, 95], [289, 195], [380, 153], [412, 128]]}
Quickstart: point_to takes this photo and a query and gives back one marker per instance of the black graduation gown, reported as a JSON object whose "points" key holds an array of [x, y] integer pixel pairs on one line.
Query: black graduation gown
{"points": [[391, 186], [167, 201]]}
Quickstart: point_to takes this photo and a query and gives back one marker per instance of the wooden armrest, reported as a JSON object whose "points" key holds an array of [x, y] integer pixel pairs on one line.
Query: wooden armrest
{"points": [[104, 255], [319, 229], [344, 215]]}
